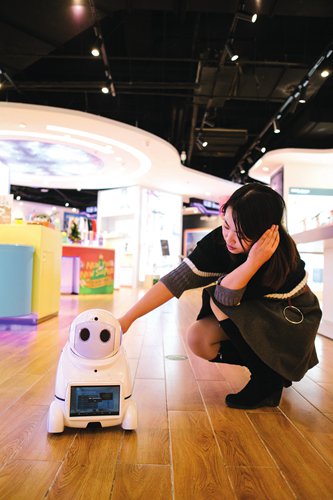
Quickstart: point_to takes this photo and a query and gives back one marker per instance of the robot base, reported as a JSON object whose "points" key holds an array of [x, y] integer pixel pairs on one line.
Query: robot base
{"points": [[56, 421]]}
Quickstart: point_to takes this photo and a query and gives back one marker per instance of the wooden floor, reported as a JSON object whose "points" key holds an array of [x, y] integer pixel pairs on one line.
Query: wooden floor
{"points": [[188, 444]]}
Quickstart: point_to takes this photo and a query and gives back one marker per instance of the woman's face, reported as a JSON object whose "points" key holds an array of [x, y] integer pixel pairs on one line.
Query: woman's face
{"points": [[234, 244]]}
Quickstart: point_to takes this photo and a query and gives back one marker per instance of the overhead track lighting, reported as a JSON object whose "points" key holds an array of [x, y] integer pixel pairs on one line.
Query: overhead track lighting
{"points": [[233, 56], [245, 16], [201, 144], [276, 127], [302, 96]]}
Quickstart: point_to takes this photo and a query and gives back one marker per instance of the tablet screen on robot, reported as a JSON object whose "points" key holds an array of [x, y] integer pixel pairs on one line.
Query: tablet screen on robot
{"points": [[90, 401]]}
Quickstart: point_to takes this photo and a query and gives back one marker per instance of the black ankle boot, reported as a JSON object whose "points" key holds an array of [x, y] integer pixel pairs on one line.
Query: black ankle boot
{"points": [[265, 386], [228, 354], [255, 394]]}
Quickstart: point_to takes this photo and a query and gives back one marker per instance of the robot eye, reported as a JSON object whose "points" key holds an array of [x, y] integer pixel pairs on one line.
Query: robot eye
{"points": [[105, 335], [84, 334]]}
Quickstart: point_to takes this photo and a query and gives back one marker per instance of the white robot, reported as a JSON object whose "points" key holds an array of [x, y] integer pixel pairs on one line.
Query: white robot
{"points": [[93, 384]]}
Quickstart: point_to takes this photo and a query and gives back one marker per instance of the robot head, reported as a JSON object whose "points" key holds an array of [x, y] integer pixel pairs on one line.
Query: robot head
{"points": [[95, 334]]}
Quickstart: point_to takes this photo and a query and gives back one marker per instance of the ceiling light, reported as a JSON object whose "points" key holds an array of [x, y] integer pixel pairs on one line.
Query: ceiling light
{"points": [[18, 197], [276, 127], [95, 51], [263, 149], [183, 156], [245, 16], [66, 204], [201, 144], [233, 56], [243, 171], [105, 89], [302, 97], [324, 73]]}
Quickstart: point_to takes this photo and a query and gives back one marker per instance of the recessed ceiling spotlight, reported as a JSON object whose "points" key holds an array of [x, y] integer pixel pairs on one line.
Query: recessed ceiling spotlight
{"points": [[324, 73], [95, 52]]}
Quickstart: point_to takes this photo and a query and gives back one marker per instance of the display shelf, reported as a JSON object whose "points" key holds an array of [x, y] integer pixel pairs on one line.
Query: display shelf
{"points": [[46, 264]]}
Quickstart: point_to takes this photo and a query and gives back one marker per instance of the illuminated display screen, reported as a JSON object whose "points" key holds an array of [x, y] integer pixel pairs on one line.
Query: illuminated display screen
{"points": [[92, 401]]}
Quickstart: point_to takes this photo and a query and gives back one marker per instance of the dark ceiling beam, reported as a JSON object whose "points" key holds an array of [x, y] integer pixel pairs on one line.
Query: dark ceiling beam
{"points": [[131, 88], [180, 60]]}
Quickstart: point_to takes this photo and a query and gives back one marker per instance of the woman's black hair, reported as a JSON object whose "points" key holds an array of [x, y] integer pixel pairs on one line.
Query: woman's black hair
{"points": [[255, 208]]}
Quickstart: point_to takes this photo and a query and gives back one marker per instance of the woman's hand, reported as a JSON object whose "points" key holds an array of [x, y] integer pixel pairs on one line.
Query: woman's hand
{"points": [[263, 249]]}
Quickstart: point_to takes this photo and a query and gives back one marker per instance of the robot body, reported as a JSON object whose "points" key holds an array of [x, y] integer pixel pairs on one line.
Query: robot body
{"points": [[93, 382]]}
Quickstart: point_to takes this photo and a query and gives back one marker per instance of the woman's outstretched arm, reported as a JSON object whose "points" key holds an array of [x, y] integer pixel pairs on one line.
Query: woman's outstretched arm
{"points": [[155, 297]]}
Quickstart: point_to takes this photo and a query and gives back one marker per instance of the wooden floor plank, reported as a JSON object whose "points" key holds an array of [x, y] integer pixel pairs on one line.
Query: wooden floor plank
{"points": [[317, 429], [239, 442], [89, 465], [182, 388], [259, 483], [137, 482], [198, 467], [304, 469], [315, 394], [17, 425], [149, 444], [27, 479]]}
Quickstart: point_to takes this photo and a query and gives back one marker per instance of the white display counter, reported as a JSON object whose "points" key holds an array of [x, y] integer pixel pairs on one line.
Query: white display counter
{"points": [[323, 234]]}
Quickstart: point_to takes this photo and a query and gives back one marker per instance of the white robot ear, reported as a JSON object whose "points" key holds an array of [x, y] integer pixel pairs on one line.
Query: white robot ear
{"points": [[95, 334]]}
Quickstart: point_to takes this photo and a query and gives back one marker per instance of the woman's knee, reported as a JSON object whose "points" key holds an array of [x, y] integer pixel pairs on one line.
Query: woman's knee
{"points": [[196, 336], [204, 336]]}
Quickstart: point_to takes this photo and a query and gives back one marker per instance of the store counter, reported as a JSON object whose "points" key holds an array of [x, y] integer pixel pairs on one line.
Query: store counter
{"points": [[46, 264], [324, 234], [96, 269]]}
